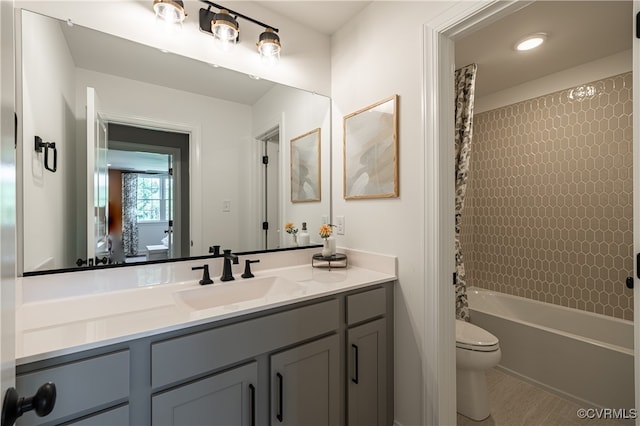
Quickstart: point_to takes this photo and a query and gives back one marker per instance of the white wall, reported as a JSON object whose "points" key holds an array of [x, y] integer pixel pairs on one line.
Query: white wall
{"points": [[369, 65], [297, 113], [224, 130], [591, 71], [305, 55], [48, 71]]}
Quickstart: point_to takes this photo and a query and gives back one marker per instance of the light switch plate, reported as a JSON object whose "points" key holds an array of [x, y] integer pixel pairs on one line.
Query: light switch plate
{"points": [[340, 225], [226, 205]]}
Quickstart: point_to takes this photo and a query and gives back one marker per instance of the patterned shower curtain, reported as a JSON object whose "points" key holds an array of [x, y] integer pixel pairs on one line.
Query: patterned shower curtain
{"points": [[130, 213], [465, 80]]}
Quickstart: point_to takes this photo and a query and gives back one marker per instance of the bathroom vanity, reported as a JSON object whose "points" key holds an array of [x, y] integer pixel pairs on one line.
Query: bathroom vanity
{"points": [[303, 346]]}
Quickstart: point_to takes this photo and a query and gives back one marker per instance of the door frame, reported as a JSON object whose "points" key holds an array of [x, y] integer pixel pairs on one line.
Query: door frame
{"points": [[256, 200], [195, 171], [274, 223], [438, 345], [8, 138], [439, 36], [636, 206]]}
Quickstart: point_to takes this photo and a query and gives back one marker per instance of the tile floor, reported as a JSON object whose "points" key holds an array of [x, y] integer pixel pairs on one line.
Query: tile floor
{"points": [[518, 403]]}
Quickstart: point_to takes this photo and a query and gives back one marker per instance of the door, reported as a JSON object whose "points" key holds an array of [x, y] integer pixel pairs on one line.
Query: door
{"points": [[8, 124], [305, 384], [169, 207], [98, 174], [367, 374], [270, 193], [636, 202], [227, 398]]}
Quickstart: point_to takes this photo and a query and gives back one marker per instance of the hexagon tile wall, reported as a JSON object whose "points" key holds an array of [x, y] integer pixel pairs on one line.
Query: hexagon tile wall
{"points": [[548, 213]]}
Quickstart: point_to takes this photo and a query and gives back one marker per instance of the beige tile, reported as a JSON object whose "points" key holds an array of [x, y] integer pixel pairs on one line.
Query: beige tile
{"points": [[554, 174], [518, 403]]}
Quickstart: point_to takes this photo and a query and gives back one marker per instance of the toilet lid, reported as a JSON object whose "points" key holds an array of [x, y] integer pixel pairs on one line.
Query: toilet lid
{"points": [[470, 336]]}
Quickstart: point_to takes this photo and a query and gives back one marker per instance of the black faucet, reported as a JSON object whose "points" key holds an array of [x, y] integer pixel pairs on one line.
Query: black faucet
{"points": [[206, 279], [247, 268], [227, 274], [215, 250]]}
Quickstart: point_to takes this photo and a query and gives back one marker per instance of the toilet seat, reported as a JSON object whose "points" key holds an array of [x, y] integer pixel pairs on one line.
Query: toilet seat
{"points": [[472, 337]]}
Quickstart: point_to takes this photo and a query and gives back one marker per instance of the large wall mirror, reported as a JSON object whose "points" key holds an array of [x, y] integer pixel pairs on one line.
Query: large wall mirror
{"points": [[156, 155]]}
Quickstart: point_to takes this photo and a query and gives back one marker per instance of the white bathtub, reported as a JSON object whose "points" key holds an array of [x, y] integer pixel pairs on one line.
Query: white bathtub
{"points": [[584, 356]]}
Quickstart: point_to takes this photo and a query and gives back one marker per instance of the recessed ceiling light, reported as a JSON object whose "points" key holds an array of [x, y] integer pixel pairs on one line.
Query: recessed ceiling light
{"points": [[531, 42]]}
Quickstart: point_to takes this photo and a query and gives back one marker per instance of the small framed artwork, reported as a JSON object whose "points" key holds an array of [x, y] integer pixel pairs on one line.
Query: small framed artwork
{"points": [[371, 151], [305, 167]]}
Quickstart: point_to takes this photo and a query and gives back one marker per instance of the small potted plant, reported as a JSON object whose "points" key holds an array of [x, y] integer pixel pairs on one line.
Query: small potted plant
{"points": [[291, 229], [325, 233]]}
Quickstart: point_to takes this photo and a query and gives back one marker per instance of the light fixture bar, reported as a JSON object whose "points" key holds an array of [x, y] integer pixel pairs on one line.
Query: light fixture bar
{"points": [[207, 13]]}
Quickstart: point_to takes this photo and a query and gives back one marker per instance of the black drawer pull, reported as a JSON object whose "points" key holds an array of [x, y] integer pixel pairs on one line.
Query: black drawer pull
{"points": [[354, 351], [280, 392], [252, 391]]}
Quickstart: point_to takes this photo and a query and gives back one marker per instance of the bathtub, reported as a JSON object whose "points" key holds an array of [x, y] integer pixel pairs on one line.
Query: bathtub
{"points": [[584, 356]]}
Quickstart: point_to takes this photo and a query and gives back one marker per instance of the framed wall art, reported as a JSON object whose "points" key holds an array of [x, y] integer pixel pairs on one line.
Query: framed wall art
{"points": [[305, 167], [371, 151]]}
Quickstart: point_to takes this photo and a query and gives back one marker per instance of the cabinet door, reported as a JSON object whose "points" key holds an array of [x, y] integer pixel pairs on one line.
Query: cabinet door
{"points": [[224, 399], [305, 384], [367, 374]]}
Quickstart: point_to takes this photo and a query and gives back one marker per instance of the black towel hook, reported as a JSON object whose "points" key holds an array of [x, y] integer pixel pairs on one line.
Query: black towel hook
{"points": [[39, 145]]}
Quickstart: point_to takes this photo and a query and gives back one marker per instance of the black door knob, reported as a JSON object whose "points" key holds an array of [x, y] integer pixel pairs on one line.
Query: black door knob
{"points": [[42, 403]]}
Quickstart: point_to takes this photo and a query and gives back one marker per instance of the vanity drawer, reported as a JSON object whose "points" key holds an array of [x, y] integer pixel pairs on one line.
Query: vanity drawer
{"points": [[113, 417], [366, 305], [80, 386], [184, 357]]}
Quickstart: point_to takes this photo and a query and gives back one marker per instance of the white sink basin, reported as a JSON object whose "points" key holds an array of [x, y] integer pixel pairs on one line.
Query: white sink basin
{"points": [[236, 292]]}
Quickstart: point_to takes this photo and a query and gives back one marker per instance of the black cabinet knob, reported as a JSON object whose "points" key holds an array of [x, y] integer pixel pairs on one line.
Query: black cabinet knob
{"points": [[629, 282], [14, 406]]}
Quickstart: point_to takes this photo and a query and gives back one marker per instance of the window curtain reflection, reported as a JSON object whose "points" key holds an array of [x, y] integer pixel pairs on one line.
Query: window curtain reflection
{"points": [[465, 80], [129, 213]]}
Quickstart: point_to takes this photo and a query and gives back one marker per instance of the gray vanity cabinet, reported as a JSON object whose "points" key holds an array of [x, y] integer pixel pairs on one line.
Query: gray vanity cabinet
{"points": [[291, 365], [369, 401], [227, 398], [367, 373], [305, 384]]}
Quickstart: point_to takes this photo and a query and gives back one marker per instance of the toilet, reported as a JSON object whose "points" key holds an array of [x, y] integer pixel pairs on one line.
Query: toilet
{"points": [[476, 351]]}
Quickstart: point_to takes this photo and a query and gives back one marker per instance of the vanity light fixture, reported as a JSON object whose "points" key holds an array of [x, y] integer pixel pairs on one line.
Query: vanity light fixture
{"points": [[171, 11], [224, 27], [531, 42], [269, 47]]}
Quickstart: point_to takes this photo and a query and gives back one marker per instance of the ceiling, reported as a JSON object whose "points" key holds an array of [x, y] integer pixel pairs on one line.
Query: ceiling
{"points": [[144, 162], [95, 50], [577, 32], [326, 17]]}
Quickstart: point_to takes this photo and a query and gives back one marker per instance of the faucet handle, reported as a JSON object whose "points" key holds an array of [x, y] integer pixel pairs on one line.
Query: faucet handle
{"points": [[215, 250], [230, 256], [247, 268], [206, 278]]}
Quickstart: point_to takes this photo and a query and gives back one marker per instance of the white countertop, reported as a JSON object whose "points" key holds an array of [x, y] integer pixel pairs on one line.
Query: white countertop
{"points": [[63, 325]]}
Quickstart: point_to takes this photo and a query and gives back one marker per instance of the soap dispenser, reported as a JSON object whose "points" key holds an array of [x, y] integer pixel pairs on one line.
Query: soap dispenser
{"points": [[304, 238]]}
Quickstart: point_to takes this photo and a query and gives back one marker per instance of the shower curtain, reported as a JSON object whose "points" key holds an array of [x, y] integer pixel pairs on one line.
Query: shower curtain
{"points": [[130, 213], [465, 80]]}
